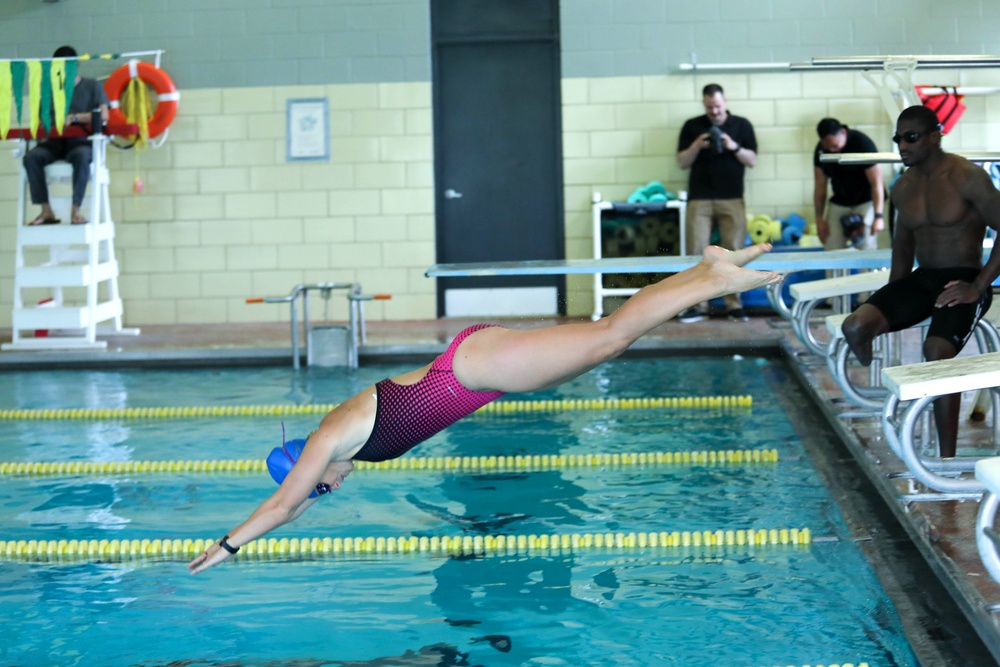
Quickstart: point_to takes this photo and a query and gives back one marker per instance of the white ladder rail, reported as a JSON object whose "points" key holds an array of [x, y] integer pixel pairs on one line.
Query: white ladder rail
{"points": [[69, 265]]}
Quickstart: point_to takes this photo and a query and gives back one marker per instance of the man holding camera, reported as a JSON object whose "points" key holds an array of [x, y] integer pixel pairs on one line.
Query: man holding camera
{"points": [[717, 148], [853, 216]]}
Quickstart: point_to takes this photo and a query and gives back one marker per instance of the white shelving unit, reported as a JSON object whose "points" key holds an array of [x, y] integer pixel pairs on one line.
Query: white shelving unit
{"points": [[598, 208], [52, 259]]}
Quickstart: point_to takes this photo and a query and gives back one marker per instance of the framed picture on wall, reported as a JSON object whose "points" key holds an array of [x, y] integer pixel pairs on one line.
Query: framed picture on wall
{"points": [[308, 136]]}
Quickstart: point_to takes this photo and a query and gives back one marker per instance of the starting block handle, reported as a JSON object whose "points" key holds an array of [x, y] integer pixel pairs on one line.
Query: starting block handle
{"points": [[357, 314], [369, 297]]}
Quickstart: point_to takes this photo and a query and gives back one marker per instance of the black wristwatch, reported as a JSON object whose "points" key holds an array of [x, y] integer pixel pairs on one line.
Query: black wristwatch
{"points": [[224, 543], [737, 149], [878, 215]]}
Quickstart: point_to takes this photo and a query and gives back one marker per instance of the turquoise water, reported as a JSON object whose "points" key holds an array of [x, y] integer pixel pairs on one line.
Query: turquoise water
{"points": [[695, 606]]}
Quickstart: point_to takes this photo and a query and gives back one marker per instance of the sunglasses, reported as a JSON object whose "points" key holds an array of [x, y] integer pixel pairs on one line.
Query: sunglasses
{"points": [[911, 137]]}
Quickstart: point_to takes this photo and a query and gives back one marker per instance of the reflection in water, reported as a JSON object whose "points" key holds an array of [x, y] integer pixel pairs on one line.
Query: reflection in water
{"points": [[499, 642], [506, 589], [76, 504], [72, 503], [73, 440], [434, 655]]}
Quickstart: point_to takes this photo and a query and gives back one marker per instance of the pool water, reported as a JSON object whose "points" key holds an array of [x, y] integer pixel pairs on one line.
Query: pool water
{"points": [[734, 605]]}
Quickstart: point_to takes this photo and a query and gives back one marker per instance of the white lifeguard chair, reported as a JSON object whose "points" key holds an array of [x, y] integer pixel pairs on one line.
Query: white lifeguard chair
{"points": [[51, 260]]}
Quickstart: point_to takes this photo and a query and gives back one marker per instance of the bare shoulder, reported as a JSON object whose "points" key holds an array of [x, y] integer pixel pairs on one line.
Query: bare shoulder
{"points": [[903, 185], [966, 176], [345, 428], [959, 165]]}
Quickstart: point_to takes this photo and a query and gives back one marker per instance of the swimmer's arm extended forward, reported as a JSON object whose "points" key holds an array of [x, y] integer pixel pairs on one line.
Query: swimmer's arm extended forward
{"points": [[271, 514], [324, 459]]}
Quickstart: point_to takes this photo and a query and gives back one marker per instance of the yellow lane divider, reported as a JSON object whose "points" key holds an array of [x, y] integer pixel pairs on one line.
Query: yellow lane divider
{"points": [[497, 408], [448, 463], [316, 548]]}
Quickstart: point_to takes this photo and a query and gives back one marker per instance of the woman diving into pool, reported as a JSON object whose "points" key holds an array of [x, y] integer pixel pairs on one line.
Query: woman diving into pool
{"points": [[481, 364]]}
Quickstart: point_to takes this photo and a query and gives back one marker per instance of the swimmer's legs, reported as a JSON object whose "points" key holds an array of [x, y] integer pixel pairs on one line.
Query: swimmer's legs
{"points": [[860, 329], [946, 408], [518, 361]]}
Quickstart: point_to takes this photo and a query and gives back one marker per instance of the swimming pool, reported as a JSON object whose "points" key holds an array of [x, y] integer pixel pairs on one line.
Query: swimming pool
{"points": [[695, 605]]}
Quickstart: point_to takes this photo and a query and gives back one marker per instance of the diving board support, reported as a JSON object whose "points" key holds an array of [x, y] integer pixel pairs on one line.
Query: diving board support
{"points": [[921, 384], [987, 538], [886, 350], [838, 353], [809, 294], [895, 69]]}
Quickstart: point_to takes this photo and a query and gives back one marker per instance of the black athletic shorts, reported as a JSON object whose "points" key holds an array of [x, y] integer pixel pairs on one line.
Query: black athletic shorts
{"points": [[910, 300]]}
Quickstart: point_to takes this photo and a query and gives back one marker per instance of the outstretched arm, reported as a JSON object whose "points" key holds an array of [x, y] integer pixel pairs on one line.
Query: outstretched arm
{"points": [[281, 508], [325, 458], [273, 512]]}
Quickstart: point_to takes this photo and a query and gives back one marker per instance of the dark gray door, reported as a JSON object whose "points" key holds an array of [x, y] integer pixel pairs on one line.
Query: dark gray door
{"points": [[497, 139]]}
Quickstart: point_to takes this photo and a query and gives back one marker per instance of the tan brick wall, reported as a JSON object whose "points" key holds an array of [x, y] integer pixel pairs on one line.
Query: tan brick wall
{"points": [[223, 216], [621, 133]]}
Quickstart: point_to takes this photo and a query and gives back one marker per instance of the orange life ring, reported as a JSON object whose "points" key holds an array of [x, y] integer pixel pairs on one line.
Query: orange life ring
{"points": [[156, 78]]}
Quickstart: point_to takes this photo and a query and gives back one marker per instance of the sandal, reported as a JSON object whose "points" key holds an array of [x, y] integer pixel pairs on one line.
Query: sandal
{"points": [[79, 220], [42, 220]]}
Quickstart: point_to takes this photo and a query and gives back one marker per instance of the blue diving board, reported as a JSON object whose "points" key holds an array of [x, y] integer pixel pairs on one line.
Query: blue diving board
{"points": [[782, 262]]}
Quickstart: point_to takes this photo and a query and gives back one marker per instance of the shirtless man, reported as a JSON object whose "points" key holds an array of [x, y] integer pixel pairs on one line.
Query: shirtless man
{"points": [[945, 203]]}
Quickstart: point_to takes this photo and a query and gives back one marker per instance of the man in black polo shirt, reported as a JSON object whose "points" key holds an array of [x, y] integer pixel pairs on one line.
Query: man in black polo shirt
{"points": [[717, 148], [853, 215]]}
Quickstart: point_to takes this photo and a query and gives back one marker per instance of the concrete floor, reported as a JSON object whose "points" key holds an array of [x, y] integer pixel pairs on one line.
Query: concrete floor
{"points": [[942, 531]]}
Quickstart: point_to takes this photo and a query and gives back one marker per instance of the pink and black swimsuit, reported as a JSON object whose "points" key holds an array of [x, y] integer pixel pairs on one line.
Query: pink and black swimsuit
{"points": [[406, 415]]}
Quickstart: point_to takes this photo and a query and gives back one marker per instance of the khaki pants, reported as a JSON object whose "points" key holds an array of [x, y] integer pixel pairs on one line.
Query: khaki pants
{"points": [[836, 240], [730, 217]]}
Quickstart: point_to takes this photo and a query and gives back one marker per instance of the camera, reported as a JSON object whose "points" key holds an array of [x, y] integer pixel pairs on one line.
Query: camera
{"points": [[715, 139]]}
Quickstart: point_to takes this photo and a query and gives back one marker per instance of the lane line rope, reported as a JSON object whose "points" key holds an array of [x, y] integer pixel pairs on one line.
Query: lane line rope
{"points": [[503, 407], [446, 463], [317, 548]]}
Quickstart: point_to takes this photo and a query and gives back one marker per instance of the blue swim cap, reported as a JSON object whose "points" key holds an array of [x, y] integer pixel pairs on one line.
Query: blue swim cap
{"points": [[281, 459]]}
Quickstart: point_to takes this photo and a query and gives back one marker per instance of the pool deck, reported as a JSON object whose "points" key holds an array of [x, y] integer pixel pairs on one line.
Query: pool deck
{"points": [[941, 530]]}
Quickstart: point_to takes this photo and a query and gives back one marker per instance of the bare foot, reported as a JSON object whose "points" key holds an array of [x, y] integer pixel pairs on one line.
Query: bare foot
{"points": [[860, 346], [731, 279], [714, 254]]}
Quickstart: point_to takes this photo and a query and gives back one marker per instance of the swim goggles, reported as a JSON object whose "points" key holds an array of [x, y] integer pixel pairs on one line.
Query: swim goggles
{"points": [[912, 137]]}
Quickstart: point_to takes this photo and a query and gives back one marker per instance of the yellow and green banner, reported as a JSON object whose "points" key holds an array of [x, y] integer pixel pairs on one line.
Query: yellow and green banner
{"points": [[50, 85]]}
